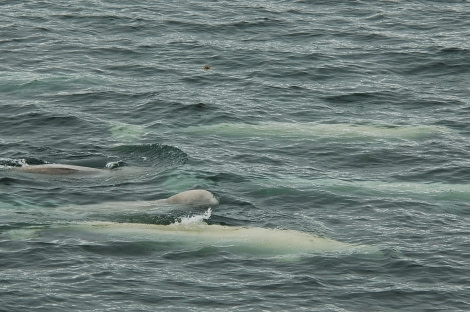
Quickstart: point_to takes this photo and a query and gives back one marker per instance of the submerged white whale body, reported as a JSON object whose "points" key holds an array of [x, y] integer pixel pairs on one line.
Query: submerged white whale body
{"points": [[253, 240], [195, 235], [317, 130]]}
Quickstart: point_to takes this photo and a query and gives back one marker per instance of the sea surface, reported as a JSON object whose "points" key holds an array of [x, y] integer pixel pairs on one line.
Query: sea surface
{"points": [[335, 134]]}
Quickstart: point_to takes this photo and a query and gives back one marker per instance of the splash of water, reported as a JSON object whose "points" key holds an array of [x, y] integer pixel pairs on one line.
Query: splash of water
{"points": [[6, 163], [196, 219]]}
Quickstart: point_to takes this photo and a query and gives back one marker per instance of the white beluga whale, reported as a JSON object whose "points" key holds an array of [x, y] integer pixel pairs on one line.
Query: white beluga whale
{"points": [[183, 200], [59, 169], [63, 169], [192, 233], [317, 130], [191, 197], [251, 240]]}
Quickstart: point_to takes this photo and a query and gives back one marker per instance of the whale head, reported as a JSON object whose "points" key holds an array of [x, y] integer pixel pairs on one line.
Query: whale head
{"points": [[194, 198]]}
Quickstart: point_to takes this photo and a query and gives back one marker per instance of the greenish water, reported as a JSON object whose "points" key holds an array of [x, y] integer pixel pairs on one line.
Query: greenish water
{"points": [[335, 136]]}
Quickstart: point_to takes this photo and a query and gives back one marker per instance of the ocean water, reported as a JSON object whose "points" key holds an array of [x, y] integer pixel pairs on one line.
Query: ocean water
{"points": [[335, 135]]}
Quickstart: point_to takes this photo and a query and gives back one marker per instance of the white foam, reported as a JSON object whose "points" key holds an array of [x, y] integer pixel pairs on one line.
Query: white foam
{"points": [[195, 220]]}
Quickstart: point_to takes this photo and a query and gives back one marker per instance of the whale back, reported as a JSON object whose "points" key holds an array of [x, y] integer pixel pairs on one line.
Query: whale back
{"points": [[194, 198], [253, 241], [58, 169]]}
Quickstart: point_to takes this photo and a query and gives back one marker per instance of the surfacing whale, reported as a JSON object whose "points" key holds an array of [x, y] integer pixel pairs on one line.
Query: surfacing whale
{"points": [[59, 169], [254, 241], [251, 240], [185, 200], [192, 197]]}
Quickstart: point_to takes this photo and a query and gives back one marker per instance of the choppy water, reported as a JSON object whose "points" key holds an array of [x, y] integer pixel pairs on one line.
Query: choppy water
{"points": [[345, 123]]}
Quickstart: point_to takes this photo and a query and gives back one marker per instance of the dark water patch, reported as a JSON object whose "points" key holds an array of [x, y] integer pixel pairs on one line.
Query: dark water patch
{"points": [[28, 84], [175, 114], [158, 155], [52, 130], [440, 68], [359, 97], [32, 253], [193, 109], [462, 52], [428, 64], [226, 27], [196, 107], [8, 181], [260, 158], [380, 158], [160, 219], [52, 155], [115, 24], [229, 221], [204, 253], [97, 96], [125, 249], [16, 182], [41, 119], [301, 35], [278, 198], [449, 174], [226, 176], [197, 80], [127, 68]]}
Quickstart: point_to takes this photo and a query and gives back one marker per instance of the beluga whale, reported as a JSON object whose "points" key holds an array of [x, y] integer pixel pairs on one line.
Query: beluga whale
{"points": [[192, 198], [197, 197], [193, 233], [63, 169], [59, 169]]}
